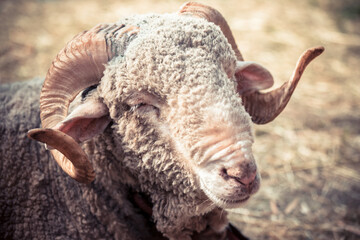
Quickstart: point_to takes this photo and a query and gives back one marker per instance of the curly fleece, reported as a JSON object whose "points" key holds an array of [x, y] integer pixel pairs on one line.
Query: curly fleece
{"points": [[183, 61], [39, 201]]}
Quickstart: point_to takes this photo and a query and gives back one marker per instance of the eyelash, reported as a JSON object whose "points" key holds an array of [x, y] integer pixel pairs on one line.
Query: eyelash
{"points": [[137, 106], [144, 108]]}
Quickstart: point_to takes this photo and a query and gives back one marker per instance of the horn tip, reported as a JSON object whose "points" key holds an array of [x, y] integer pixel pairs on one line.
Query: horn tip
{"points": [[38, 134], [35, 133], [317, 50]]}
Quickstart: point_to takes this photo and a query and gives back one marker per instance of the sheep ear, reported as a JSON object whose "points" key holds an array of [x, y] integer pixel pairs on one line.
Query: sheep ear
{"points": [[251, 76], [86, 121]]}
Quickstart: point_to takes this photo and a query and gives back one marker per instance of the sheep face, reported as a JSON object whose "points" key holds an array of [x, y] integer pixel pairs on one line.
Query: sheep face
{"points": [[173, 99]]}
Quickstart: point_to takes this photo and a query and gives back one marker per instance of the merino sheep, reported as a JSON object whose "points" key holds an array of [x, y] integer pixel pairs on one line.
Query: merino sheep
{"points": [[162, 115]]}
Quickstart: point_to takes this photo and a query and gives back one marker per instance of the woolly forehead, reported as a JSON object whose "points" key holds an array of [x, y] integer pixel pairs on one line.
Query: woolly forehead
{"points": [[172, 55]]}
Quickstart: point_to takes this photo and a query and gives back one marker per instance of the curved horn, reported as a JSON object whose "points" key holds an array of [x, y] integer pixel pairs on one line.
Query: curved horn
{"points": [[79, 65], [262, 107], [265, 107], [68, 155], [214, 16]]}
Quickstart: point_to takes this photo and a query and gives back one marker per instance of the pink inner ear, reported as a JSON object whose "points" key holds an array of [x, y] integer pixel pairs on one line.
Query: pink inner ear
{"points": [[82, 129], [251, 76], [86, 121]]}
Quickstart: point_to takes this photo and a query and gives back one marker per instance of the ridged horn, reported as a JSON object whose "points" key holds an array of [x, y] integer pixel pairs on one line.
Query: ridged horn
{"points": [[78, 65], [214, 16], [262, 107], [265, 107]]}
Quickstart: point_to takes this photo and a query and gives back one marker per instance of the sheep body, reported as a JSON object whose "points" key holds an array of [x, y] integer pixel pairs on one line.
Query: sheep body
{"points": [[167, 120], [39, 201]]}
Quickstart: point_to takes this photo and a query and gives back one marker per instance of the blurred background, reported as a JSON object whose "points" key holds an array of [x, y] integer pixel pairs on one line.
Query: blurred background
{"points": [[309, 156]]}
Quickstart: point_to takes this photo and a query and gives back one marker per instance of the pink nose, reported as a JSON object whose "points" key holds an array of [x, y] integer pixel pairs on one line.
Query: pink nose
{"points": [[244, 176]]}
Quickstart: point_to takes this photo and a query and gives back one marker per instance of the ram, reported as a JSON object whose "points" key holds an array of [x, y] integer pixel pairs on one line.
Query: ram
{"points": [[152, 115]]}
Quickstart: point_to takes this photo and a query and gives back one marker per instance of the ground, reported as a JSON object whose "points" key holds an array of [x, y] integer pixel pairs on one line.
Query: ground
{"points": [[309, 156]]}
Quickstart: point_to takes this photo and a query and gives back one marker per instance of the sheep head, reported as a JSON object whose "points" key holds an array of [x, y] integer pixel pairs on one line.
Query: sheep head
{"points": [[178, 93]]}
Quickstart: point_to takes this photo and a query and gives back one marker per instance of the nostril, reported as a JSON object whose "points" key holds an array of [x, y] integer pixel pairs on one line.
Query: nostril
{"points": [[247, 181], [244, 178], [224, 174]]}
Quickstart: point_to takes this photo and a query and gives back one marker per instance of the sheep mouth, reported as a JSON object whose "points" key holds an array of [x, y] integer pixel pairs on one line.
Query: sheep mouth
{"points": [[221, 201]]}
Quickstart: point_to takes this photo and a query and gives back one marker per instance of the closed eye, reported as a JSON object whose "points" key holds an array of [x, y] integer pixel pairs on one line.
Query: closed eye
{"points": [[137, 106], [145, 109], [143, 103]]}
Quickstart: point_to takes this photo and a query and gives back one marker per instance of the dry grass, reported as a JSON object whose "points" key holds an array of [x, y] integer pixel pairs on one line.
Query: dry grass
{"points": [[309, 157]]}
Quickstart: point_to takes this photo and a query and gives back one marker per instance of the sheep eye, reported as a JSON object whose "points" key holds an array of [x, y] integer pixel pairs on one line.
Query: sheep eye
{"points": [[144, 108], [143, 103], [137, 106]]}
